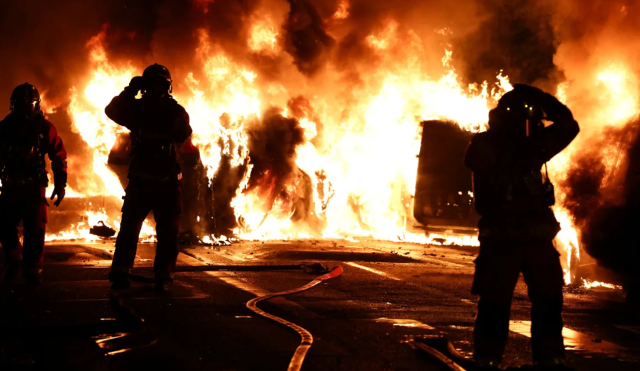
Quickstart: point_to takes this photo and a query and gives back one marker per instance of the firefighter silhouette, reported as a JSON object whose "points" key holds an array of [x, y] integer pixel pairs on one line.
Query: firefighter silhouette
{"points": [[158, 124], [517, 225], [25, 138]]}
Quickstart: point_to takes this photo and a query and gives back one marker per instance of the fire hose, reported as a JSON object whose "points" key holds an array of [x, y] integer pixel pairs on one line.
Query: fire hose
{"points": [[306, 338], [309, 268]]}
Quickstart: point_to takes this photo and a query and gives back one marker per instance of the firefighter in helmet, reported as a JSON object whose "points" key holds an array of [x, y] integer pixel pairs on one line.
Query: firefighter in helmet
{"points": [[517, 225], [157, 124], [25, 138]]}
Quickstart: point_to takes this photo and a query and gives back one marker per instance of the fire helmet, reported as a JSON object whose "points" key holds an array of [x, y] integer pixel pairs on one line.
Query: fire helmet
{"points": [[25, 94], [515, 107], [158, 73], [519, 104]]}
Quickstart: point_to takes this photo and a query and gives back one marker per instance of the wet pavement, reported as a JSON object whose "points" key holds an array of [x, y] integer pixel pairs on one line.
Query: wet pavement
{"points": [[366, 319]]}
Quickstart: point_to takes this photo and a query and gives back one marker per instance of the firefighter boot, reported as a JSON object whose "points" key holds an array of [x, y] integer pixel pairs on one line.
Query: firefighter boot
{"points": [[11, 270], [32, 276], [119, 280], [163, 285]]}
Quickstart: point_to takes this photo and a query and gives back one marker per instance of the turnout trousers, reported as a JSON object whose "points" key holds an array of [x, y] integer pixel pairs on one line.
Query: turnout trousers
{"points": [[142, 197], [26, 203], [498, 267]]}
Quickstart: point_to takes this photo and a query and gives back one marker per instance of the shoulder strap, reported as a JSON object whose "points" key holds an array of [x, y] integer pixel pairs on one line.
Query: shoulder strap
{"points": [[546, 172], [39, 136]]}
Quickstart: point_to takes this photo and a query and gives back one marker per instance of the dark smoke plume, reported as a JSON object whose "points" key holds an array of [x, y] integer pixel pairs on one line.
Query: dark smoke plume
{"points": [[307, 40], [541, 42], [272, 150], [584, 187], [275, 178], [514, 36], [44, 43], [596, 36], [606, 204]]}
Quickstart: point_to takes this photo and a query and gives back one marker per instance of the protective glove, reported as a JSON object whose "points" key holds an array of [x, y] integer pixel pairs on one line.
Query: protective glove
{"points": [[137, 83], [553, 108], [60, 192]]}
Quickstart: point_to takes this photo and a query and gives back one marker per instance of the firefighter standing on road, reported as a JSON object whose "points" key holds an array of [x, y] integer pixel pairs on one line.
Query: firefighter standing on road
{"points": [[157, 124], [25, 138], [517, 225]]}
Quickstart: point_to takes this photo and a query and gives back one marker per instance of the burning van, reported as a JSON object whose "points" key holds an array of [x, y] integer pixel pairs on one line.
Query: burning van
{"points": [[444, 189]]}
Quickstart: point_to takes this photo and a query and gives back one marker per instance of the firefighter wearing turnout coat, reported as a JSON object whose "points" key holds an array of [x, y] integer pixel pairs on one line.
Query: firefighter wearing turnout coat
{"points": [[517, 225], [158, 124], [26, 137]]}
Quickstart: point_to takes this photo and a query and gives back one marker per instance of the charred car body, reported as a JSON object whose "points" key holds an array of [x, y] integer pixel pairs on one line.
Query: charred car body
{"points": [[444, 189]]}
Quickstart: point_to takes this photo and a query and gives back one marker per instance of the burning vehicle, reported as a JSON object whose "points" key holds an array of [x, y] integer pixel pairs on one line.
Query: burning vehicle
{"points": [[337, 119], [444, 190]]}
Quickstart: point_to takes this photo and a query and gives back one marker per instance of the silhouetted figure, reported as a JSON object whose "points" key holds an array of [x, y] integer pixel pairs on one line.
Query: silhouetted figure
{"points": [[517, 225], [25, 138], [158, 124]]}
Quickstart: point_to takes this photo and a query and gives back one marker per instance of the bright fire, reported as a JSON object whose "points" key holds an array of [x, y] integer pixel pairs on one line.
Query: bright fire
{"points": [[616, 105], [90, 121], [591, 284], [362, 167]]}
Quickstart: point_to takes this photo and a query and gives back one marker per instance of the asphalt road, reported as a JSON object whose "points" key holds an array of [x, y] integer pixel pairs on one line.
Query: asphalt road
{"points": [[366, 319]]}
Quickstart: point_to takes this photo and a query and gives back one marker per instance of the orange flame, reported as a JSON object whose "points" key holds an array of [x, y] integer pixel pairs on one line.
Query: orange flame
{"points": [[360, 146]]}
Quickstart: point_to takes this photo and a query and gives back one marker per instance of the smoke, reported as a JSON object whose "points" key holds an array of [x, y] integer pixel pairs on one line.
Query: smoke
{"points": [[43, 43], [598, 55], [306, 38], [319, 58], [514, 36], [276, 185], [46, 43], [608, 209], [272, 151], [584, 184]]}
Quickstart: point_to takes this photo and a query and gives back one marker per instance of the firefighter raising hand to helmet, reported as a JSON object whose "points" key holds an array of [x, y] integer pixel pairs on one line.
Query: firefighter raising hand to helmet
{"points": [[25, 138], [157, 123], [517, 225]]}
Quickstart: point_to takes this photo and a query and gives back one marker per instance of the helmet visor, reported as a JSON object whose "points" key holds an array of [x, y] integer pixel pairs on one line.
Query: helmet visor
{"points": [[158, 85], [24, 106], [24, 103]]}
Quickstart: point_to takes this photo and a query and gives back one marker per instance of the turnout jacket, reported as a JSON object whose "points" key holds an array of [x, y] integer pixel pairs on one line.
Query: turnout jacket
{"points": [[157, 126], [23, 146], [508, 182]]}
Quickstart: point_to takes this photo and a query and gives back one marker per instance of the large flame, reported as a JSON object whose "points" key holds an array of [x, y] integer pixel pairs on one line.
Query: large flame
{"points": [[363, 174], [360, 147], [90, 121], [615, 105]]}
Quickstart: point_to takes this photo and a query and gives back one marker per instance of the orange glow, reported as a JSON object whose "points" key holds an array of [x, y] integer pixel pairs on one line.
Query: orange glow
{"points": [[343, 10], [591, 284], [360, 143], [384, 39], [99, 133], [366, 167], [264, 37], [616, 105]]}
